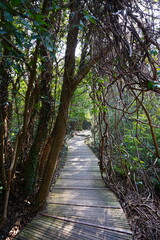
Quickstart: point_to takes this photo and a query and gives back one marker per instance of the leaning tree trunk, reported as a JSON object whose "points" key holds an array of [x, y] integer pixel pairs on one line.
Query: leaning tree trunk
{"points": [[58, 133], [70, 83], [57, 138]]}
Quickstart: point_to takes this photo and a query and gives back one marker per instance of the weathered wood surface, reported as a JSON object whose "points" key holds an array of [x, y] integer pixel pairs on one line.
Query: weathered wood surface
{"points": [[79, 205]]}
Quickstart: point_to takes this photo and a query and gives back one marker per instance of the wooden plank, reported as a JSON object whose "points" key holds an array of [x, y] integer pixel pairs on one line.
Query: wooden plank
{"points": [[51, 228], [88, 197], [113, 229], [80, 175], [104, 216], [82, 164], [104, 194], [81, 168], [90, 183], [88, 202]]}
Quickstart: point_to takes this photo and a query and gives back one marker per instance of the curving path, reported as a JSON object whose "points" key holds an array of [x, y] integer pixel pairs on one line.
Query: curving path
{"points": [[79, 205]]}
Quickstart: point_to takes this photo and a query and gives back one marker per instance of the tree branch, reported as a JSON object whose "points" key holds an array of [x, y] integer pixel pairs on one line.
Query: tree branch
{"points": [[86, 68]]}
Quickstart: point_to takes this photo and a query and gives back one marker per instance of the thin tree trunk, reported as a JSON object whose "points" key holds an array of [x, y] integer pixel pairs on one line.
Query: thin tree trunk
{"points": [[2, 166], [4, 158], [42, 129]]}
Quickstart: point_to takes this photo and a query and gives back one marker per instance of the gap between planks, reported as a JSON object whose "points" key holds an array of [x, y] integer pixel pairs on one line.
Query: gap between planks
{"points": [[79, 205], [79, 188]]}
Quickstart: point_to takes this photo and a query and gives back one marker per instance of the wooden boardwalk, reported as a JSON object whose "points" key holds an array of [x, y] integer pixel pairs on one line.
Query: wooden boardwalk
{"points": [[79, 205]]}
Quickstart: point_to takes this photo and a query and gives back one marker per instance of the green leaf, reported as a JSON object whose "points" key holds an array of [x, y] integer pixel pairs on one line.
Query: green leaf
{"points": [[90, 18], [49, 44], [81, 26], [154, 52], [55, 7], [8, 16], [140, 183], [150, 85], [26, 23], [15, 3], [33, 36], [17, 68], [40, 19], [141, 161]]}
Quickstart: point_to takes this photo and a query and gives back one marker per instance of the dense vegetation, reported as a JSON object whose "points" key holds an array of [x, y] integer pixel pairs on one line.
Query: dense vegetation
{"points": [[67, 59]]}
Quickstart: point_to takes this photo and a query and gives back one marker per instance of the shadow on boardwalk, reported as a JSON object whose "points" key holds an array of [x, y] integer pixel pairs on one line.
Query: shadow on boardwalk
{"points": [[79, 205]]}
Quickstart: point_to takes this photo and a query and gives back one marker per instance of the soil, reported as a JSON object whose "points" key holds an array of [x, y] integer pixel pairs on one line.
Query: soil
{"points": [[20, 212]]}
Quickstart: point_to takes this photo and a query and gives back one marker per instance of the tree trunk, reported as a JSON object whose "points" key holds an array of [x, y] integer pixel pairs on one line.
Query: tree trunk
{"points": [[42, 129], [2, 166], [57, 138], [59, 130], [4, 157]]}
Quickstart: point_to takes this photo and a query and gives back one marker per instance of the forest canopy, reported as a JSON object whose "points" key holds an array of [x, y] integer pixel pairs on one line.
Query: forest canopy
{"points": [[56, 54]]}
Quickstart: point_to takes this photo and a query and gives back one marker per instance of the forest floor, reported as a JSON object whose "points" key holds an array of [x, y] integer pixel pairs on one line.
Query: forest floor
{"points": [[142, 211]]}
